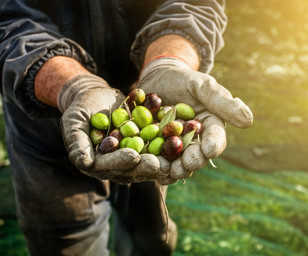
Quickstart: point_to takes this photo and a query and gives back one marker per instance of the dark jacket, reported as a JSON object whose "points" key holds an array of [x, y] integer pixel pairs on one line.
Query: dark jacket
{"points": [[107, 36]]}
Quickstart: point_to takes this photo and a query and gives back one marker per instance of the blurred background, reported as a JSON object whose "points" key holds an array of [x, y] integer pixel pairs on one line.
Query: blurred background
{"points": [[256, 201]]}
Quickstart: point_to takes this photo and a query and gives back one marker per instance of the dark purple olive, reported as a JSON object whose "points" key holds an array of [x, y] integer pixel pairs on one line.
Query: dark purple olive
{"points": [[191, 125], [172, 148], [152, 102], [109, 144], [116, 133]]}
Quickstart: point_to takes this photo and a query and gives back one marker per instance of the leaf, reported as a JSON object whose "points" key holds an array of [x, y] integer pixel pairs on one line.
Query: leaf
{"points": [[187, 138], [167, 118]]}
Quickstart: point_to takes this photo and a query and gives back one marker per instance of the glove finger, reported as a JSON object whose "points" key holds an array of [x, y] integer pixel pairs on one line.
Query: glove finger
{"points": [[146, 170], [166, 181], [164, 166], [213, 138], [193, 158], [187, 86], [218, 100], [75, 130], [120, 160], [164, 172], [177, 170], [110, 165]]}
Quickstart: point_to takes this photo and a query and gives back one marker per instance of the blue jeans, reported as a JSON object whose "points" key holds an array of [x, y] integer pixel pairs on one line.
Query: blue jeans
{"points": [[63, 212]]}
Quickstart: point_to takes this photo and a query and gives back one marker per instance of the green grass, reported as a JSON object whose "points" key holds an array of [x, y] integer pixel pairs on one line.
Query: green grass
{"points": [[12, 242], [225, 211], [233, 211]]}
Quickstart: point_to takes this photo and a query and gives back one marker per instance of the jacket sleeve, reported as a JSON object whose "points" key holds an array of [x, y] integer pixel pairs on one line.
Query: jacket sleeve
{"points": [[200, 21], [28, 39]]}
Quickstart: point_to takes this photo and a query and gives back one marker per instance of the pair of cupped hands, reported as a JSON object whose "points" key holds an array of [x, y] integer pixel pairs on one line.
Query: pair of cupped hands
{"points": [[174, 82]]}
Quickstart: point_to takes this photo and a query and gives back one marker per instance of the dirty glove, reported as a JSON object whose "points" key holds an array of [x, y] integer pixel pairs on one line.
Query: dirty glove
{"points": [[78, 100], [174, 81]]}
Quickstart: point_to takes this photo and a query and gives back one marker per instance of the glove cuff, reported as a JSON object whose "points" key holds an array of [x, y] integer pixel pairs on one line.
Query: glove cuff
{"points": [[159, 63], [76, 86]]}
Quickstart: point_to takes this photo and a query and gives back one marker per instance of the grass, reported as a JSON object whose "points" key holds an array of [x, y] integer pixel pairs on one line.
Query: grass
{"points": [[225, 211], [241, 212], [255, 202], [12, 242]]}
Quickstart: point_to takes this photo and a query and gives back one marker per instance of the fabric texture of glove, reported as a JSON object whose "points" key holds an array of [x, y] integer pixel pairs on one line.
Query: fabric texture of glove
{"points": [[79, 99], [174, 81]]}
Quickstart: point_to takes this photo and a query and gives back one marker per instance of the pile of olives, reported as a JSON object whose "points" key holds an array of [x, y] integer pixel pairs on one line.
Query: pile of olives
{"points": [[145, 125]]}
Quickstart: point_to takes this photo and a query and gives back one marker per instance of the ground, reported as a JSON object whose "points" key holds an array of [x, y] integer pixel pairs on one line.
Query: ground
{"points": [[265, 63], [255, 201]]}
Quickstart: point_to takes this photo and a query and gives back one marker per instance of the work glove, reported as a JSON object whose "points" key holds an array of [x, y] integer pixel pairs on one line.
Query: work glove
{"points": [[174, 81], [78, 100]]}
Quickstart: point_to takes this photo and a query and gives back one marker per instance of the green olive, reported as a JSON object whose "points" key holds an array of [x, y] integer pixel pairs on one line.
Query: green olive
{"points": [[173, 128], [142, 116], [129, 129], [184, 111], [162, 111], [135, 143], [100, 121], [96, 136], [124, 142], [119, 116], [149, 132], [155, 146]]}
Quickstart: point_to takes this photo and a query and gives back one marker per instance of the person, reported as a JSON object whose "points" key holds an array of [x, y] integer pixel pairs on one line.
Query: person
{"points": [[63, 61]]}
